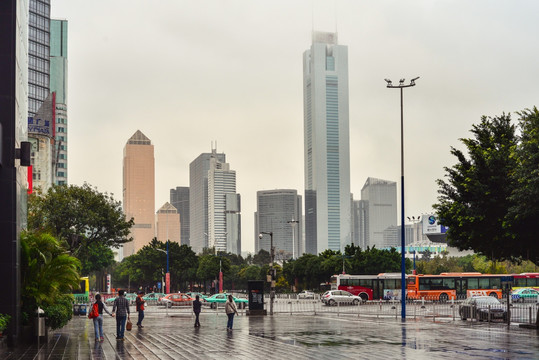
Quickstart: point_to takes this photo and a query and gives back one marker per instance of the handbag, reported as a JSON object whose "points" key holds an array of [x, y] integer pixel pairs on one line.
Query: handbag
{"points": [[129, 325]]}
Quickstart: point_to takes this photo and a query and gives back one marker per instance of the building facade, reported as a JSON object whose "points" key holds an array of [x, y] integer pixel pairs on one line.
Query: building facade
{"points": [[167, 224], [223, 208], [179, 198], [58, 85], [279, 211], [198, 199], [139, 191], [378, 212], [326, 144], [38, 54]]}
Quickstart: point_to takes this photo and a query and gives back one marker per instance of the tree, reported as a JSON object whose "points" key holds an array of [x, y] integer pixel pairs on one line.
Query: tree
{"points": [[263, 257], [48, 276], [89, 222], [524, 213], [474, 201]]}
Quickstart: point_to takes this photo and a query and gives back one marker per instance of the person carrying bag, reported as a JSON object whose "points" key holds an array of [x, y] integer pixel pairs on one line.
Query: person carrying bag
{"points": [[121, 306]]}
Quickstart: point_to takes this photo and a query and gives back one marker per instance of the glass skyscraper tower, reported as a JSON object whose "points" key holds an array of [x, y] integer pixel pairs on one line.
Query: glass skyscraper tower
{"points": [[327, 144]]}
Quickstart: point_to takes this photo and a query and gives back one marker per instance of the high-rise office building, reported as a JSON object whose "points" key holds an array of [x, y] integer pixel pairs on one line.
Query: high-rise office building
{"points": [[167, 224], [179, 198], [378, 212], [13, 184], [198, 199], [38, 54], [58, 85], [326, 144], [139, 191], [279, 211], [224, 226]]}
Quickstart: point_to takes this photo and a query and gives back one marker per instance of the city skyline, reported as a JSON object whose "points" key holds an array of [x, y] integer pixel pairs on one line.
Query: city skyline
{"points": [[226, 73]]}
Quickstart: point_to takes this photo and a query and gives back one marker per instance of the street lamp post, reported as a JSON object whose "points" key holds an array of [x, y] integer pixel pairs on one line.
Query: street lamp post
{"points": [[293, 223], [168, 272], [401, 86], [272, 271]]}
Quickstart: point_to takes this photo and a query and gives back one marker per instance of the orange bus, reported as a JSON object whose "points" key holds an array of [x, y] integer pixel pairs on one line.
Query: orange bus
{"points": [[448, 286]]}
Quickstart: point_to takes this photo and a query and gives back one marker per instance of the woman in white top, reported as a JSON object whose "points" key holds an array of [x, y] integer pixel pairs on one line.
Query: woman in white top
{"points": [[231, 310]]}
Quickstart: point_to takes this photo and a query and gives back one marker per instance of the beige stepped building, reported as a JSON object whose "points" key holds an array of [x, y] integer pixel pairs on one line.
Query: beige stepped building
{"points": [[139, 191], [167, 224]]}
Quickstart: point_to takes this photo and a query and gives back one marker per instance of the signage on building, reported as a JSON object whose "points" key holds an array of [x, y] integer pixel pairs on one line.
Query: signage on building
{"points": [[431, 226]]}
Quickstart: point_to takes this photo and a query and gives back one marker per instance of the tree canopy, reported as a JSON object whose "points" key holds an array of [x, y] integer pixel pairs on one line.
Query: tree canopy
{"points": [[490, 198], [90, 222]]}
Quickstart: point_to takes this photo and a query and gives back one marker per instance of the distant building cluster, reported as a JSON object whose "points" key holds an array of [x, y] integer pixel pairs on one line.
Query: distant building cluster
{"points": [[207, 213]]}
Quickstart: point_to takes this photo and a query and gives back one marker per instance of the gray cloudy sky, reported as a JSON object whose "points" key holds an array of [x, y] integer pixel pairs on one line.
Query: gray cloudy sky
{"points": [[190, 72]]}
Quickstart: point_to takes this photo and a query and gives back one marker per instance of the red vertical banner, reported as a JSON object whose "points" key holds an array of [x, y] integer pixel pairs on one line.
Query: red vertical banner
{"points": [[220, 282], [30, 179], [168, 282]]}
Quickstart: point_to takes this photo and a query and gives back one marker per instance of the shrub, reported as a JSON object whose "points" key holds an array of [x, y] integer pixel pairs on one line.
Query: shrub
{"points": [[4, 321], [59, 313]]}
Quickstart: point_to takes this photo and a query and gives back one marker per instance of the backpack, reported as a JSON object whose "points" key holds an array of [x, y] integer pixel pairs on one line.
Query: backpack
{"points": [[95, 312]]}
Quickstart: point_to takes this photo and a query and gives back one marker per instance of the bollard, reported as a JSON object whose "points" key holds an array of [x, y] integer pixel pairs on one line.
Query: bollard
{"points": [[290, 302], [415, 309], [453, 311], [433, 311], [530, 308], [422, 302], [488, 318]]}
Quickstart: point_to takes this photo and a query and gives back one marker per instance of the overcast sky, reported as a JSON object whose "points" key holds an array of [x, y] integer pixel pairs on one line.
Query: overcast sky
{"points": [[187, 73]]}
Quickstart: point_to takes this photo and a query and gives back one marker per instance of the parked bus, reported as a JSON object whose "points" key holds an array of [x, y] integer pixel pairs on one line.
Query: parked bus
{"points": [[385, 286], [82, 293], [526, 280], [454, 286]]}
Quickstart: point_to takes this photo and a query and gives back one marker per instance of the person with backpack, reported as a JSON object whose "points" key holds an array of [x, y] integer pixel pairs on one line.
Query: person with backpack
{"points": [[121, 305], [97, 315], [140, 308]]}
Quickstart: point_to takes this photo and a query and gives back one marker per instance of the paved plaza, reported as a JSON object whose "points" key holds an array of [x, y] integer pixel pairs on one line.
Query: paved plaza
{"points": [[287, 337]]}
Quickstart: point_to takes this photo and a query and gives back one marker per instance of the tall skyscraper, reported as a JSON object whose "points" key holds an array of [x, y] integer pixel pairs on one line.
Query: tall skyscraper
{"points": [[327, 144], [58, 84], [38, 54], [379, 212], [279, 211], [198, 199], [13, 184], [179, 198], [167, 224], [139, 191], [224, 227]]}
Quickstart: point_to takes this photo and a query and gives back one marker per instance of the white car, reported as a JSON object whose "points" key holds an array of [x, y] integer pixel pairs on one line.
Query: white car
{"points": [[333, 297], [306, 294]]}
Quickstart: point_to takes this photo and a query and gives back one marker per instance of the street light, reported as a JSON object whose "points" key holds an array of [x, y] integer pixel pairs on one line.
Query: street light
{"points": [[403, 263], [168, 272], [272, 253], [293, 223]]}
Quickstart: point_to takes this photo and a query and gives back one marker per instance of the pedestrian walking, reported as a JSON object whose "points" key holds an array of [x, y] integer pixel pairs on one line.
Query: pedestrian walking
{"points": [[98, 321], [140, 308], [197, 306], [231, 310], [121, 307]]}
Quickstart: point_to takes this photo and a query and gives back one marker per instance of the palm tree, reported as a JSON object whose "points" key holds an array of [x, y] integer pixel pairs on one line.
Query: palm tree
{"points": [[48, 272]]}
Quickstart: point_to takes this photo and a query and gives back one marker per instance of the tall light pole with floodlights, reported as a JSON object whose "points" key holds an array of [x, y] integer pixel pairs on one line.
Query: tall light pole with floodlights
{"points": [[401, 86], [272, 270]]}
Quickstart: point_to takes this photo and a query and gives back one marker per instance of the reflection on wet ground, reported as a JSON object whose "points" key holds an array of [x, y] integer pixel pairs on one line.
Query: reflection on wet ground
{"points": [[285, 336]]}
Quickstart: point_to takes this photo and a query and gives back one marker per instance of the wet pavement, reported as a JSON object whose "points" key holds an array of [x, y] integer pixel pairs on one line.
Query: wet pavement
{"points": [[285, 336]]}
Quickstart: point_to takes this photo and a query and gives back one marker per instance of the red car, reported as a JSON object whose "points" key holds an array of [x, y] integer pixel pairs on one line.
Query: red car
{"points": [[177, 300]]}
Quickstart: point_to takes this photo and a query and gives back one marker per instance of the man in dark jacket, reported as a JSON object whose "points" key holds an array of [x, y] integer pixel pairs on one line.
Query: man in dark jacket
{"points": [[197, 306]]}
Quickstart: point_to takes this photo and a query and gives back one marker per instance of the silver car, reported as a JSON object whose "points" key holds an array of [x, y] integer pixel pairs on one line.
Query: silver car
{"points": [[334, 297], [306, 294]]}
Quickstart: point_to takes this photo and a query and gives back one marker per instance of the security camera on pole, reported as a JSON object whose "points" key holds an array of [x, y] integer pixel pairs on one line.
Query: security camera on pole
{"points": [[271, 277]]}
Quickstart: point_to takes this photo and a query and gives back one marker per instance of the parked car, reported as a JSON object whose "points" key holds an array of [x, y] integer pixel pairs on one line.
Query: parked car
{"points": [[525, 294], [334, 297], [221, 298], [194, 295], [131, 297], [176, 300], [306, 294], [478, 307], [153, 297]]}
